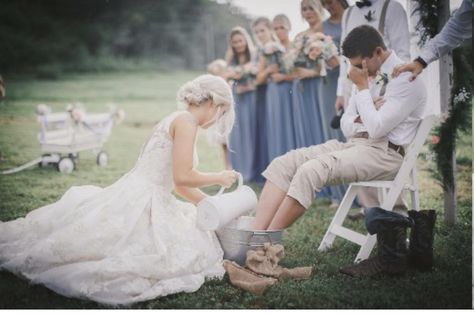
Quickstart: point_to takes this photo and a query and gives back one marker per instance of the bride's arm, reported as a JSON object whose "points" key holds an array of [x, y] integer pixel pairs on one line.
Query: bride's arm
{"points": [[184, 131], [192, 195]]}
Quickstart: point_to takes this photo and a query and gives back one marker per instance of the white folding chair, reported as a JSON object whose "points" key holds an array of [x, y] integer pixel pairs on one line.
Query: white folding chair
{"points": [[388, 192]]}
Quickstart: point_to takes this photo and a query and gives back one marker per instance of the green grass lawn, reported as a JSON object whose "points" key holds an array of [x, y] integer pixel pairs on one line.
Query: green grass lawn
{"points": [[146, 98]]}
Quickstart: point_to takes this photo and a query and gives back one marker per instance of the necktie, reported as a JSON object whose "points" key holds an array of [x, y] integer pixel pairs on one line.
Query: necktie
{"points": [[381, 79], [363, 3]]}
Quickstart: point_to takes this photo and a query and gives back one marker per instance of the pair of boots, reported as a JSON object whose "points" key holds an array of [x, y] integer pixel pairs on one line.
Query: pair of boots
{"points": [[262, 269], [392, 256]]}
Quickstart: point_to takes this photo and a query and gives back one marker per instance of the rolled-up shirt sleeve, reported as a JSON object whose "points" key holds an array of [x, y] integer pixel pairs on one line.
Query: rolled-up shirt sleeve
{"points": [[401, 98], [348, 126]]}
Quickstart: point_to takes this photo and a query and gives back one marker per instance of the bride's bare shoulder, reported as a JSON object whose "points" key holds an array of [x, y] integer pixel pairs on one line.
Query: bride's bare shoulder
{"points": [[184, 122]]}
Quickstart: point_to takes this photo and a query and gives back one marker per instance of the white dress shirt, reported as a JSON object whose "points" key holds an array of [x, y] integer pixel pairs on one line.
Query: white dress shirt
{"points": [[457, 29], [399, 116], [396, 34]]}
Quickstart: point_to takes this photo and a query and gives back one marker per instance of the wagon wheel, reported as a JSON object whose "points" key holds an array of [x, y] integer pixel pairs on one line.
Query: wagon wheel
{"points": [[74, 156], [43, 163], [66, 165], [102, 159]]}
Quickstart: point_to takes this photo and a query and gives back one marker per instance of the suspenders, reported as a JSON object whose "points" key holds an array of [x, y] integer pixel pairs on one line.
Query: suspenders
{"points": [[383, 15]]}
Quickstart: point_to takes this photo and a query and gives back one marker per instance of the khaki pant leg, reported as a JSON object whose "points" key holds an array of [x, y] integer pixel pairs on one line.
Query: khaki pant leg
{"points": [[283, 168], [361, 160]]}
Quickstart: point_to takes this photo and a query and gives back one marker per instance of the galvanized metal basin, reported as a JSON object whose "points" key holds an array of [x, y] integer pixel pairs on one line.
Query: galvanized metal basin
{"points": [[237, 238]]}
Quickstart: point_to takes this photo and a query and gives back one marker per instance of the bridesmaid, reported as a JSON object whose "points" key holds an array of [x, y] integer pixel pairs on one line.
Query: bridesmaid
{"points": [[262, 29], [241, 58], [280, 127], [308, 120], [328, 86], [307, 113]]}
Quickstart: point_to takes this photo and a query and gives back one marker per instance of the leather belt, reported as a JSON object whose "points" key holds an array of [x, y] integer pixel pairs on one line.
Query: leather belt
{"points": [[399, 149], [361, 135]]}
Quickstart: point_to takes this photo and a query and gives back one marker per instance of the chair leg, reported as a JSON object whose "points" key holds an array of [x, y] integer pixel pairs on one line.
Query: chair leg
{"points": [[415, 200], [366, 248], [381, 194], [415, 196], [339, 217], [391, 198]]}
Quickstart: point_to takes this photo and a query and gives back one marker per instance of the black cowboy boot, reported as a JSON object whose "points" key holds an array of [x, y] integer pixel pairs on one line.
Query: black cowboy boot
{"points": [[391, 255], [420, 255], [392, 250], [391, 258]]}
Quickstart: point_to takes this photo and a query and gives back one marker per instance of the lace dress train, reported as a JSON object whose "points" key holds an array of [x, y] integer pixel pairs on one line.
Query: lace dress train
{"points": [[131, 241]]}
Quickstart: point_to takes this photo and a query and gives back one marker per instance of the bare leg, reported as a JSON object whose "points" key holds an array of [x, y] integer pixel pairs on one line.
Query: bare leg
{"points": [[289, 211], [268, 204]]}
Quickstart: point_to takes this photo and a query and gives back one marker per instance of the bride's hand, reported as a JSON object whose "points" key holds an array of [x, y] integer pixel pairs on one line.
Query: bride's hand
{"points": [[227, 178]]}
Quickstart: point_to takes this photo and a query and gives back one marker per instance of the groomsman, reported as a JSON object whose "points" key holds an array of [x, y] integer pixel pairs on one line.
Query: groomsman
{"points": [[390, 19]]}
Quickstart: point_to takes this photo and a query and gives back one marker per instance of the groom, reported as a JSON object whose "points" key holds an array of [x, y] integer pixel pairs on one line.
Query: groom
{"points": [[376, 135]]}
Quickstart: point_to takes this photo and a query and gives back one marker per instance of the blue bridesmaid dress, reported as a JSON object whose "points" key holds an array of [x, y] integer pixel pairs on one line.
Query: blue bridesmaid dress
{"points": [[328, 88], [306, 114], [261, 150], [243, 145], [327, 94], [280, 126]]}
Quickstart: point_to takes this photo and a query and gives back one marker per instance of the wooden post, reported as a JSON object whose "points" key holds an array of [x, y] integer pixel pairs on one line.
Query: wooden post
{"points": [[446, 83]]}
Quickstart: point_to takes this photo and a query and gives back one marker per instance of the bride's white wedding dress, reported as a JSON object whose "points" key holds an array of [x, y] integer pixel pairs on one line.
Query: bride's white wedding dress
{"points": [[128, 242]]}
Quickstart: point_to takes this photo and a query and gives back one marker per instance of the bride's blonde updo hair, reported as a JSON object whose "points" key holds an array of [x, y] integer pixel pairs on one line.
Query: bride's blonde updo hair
{"points": [[210, 87]]}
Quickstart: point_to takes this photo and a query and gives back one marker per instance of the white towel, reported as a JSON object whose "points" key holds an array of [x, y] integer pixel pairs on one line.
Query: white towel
{"points": [[214, 212]]}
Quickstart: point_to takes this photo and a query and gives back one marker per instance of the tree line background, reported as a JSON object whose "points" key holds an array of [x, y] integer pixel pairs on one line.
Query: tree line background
{"points": [[48, 37]]}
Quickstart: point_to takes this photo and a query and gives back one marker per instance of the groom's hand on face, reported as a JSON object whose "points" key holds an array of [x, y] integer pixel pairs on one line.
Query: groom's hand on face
{"points": [[359, 75]]}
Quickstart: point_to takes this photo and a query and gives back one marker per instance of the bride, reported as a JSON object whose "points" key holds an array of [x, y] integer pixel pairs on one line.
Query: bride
{"points": [[133, 240]]}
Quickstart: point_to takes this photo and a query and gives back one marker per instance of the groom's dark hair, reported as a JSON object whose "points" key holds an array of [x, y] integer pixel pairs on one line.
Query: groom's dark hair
{"points": [[361, 42]]}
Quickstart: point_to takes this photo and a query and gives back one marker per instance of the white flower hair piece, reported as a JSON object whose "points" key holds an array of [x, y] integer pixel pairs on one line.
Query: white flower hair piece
{"points": [[210, 87], [192, 93]]}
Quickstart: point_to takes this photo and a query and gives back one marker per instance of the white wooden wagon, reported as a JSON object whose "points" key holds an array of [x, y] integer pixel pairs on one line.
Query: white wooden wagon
{"points": [[64, 134]]}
